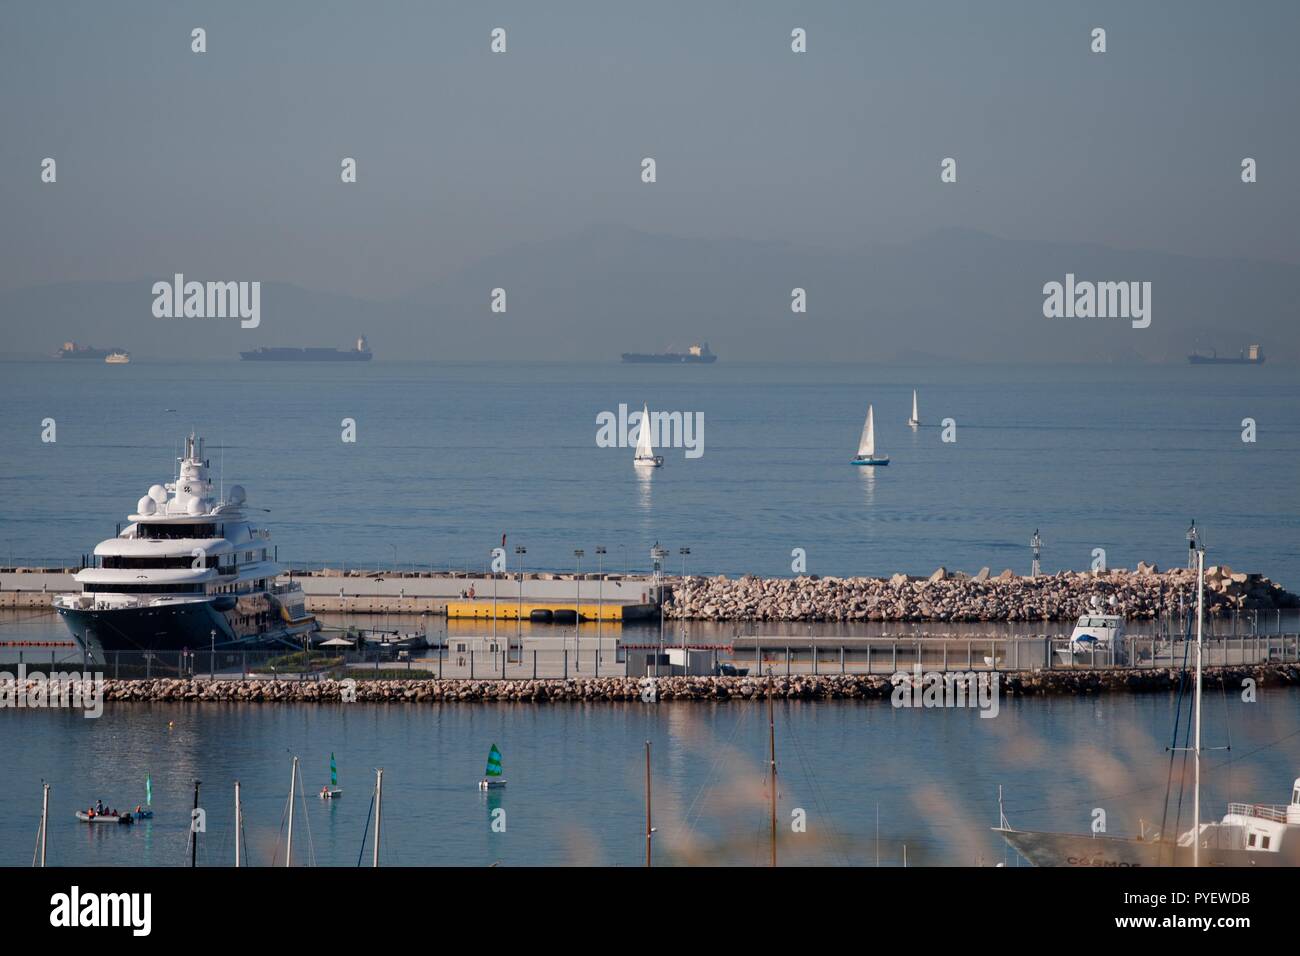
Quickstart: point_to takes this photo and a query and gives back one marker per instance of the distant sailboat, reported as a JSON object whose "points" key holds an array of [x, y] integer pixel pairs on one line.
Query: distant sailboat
{"points": [[645, 452], [492, 778], [916, 416], [867, 446], [333, 790]]}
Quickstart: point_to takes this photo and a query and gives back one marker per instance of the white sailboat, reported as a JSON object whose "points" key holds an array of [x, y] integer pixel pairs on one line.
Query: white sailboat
{"points": [[645, 453], [916, 416], [867, 446]]}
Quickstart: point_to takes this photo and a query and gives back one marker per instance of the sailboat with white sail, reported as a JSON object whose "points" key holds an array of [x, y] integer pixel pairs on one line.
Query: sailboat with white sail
{"points": [[645, 452], [915, 420], [867, 445]]}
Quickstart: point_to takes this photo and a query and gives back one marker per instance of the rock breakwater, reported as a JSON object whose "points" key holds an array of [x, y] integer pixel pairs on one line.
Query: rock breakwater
{"points": [[613, 689], [944, 596]]}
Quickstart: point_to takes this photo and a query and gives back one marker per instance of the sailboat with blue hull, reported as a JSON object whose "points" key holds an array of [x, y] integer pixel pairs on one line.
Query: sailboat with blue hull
{"points": [[867, 445]]}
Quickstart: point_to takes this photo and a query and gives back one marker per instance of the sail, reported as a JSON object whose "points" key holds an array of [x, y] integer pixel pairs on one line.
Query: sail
{"points": [[867, 446], [643, 447], [334, 772], [148, 791], [493, 763], [915, 416]]}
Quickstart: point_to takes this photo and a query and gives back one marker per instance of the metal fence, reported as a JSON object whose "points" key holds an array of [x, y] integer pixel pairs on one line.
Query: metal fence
{"points": [[872, 656]]}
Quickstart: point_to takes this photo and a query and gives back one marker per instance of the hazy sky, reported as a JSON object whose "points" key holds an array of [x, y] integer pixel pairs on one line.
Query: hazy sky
{"points": [[226, 164]]}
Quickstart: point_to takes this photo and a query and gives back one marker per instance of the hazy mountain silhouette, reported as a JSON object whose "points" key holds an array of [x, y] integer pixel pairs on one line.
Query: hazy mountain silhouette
{"points": [[953, 295]]}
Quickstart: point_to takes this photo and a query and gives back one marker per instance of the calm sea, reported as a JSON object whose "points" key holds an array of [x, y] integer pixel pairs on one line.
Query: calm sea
{"points": [[450, 457]]}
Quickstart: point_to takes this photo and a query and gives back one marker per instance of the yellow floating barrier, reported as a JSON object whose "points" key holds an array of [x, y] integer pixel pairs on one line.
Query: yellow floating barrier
{"points": [[507, 610]]}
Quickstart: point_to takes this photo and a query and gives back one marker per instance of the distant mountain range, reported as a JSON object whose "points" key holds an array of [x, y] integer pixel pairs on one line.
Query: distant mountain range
{"points": [[955, 295]]}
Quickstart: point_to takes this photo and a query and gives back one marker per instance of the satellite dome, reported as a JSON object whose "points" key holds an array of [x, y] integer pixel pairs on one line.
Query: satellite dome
{"points": [[146, 506], [197, 506], [158, 493], [237, 495]]}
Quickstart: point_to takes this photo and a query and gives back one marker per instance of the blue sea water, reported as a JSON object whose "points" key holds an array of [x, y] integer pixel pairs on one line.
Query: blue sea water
{"points": [[449, 457]]}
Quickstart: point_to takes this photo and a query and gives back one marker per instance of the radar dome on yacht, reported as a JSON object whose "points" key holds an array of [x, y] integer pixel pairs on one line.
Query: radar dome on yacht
{"points": [[158, 493], [237, 495], [146, 506], [197, 506]]}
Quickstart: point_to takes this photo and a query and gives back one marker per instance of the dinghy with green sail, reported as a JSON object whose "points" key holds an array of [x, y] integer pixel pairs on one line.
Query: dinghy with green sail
{"points": [[333, 791], [492, 778]]}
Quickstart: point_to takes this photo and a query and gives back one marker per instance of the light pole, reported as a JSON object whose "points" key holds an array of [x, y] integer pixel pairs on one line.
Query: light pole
{"points": [[394, 547], [520, 550], [494, 603], [683, 552], [1037, 544], [212, 657], [600, 595], [577, 612], [1193, 538]]}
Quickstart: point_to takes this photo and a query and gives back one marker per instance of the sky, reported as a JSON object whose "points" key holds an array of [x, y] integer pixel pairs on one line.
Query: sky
{"points": [[227, 163]]}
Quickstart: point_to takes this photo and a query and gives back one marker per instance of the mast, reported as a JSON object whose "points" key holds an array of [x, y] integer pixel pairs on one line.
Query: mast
{"points": [[771, 750], [1196, 796], [379, 809], [239, 822], [44, 820], [649, 830], [293, 785], [194, 833]]}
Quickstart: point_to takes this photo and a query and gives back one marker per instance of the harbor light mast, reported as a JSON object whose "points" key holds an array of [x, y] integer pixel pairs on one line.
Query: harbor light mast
{"points": [[1193, 539], [1037, 544]]}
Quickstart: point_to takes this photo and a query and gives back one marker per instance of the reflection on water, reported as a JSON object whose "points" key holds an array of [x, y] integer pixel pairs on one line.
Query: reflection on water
{"points": [[867, 476], [576, 773], [644, 485]]}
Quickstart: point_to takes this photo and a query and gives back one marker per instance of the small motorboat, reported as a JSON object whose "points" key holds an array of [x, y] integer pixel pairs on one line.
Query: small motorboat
{"points": [[86, 816]]}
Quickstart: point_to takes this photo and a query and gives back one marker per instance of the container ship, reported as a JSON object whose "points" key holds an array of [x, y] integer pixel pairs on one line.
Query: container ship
{"points": [[360, 353], [696, 353], [71, 350], [1253, 355]]}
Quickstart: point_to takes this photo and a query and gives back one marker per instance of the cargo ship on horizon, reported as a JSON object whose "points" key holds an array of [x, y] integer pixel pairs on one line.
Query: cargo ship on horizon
{"points": [[1252, 355], [696, 354], [360, 353], [71, 350]]}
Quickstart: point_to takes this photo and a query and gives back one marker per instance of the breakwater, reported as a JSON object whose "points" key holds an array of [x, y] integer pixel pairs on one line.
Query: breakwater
{"points": [[1146, 593], [799, 687]]}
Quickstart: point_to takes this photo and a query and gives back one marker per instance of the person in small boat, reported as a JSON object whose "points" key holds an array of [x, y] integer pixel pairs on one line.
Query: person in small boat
{"points": [[99, 807]]}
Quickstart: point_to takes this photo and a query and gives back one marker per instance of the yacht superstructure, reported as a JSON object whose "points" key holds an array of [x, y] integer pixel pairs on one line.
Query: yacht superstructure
{"points": [[190, 569]]}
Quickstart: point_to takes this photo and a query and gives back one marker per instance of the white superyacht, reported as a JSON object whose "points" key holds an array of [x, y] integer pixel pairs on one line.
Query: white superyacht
{"points": [[189, 570]]}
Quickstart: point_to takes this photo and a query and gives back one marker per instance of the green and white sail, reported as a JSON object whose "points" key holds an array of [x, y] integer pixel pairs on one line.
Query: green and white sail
{"points": [[334, 771], [148, 791], [493, 763]]}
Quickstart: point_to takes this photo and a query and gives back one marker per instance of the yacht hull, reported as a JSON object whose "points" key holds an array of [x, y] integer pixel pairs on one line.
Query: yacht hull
{"points": [[1072, 849], [167, 627]]}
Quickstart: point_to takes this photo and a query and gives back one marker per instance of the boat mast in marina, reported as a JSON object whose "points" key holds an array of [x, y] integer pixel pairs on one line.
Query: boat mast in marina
{"points": [[1196, 759], [379, 809], [45, 818], [649, 828], [771, 756], [239, 822], [194, 828], [293, 785]]}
